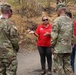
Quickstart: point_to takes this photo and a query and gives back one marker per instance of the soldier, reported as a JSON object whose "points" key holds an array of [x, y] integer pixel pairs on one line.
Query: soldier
{"points": [[62, 33], [8, 43]]}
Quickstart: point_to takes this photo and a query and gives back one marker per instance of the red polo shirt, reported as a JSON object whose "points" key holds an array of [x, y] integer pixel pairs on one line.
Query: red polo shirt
{"points": [[75, 28], [43, 40]]}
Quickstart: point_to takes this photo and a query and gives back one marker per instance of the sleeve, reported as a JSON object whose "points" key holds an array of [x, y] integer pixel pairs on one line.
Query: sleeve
{"points": [[14, 37], [73, 34], [74, 28], [54, 32]]}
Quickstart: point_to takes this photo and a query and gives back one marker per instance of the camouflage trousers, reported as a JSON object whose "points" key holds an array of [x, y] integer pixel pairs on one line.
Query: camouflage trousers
{"points": [[62, 64], [8, 66]]}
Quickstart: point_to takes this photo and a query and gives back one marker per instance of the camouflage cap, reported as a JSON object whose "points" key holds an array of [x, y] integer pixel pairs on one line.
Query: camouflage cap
{"points": [[60, 5], [5, 7]]}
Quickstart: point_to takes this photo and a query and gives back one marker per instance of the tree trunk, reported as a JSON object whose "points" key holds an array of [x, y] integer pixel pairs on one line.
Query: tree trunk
{"points": [[48, 6], [57, 1], [63, 1], [19, 1]]}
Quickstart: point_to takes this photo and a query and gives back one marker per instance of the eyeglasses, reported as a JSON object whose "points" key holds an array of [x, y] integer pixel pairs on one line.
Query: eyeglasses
{"points": [[45, 20]]}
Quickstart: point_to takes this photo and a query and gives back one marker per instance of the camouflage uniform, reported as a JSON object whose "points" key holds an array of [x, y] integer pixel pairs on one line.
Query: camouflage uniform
{"points": [[8, 47], [62, 33]]}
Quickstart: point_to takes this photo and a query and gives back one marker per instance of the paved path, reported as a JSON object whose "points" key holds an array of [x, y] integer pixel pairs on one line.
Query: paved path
{"points": [[29, 63]]}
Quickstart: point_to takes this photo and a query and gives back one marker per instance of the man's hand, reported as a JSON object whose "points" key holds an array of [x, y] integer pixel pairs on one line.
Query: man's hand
{"points": [[31, 32], [52, 50], [73, 45], [46, 34]]}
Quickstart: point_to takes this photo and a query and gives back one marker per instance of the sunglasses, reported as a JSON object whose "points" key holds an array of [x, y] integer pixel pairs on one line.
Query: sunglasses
{"points": [[45, 20]]}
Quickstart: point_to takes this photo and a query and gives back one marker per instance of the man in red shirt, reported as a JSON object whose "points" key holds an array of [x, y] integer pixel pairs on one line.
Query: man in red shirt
{"points": [[74, 28], [74, 47], [44, 45]]}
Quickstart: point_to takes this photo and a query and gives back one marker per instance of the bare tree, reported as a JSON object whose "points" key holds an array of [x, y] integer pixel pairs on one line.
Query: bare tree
{"points": [[63, 1], [58, 1], [48, 6]]}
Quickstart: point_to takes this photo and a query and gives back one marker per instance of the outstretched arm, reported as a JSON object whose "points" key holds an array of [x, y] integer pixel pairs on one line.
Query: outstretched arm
{"points": [[33, 32]]}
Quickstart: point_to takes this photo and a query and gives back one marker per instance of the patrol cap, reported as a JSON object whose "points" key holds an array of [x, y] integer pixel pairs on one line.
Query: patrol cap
{"points": [[5, 7], [60, 5]]}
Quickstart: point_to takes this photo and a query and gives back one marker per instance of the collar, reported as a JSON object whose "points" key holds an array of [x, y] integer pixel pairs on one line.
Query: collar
{"points": [[63, 15], [45, 26]]}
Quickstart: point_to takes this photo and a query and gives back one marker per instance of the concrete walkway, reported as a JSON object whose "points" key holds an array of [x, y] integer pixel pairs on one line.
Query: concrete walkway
{"points": [[29, 63]]}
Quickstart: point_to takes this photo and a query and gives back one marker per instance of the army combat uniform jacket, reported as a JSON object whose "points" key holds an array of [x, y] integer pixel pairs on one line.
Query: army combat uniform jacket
{"points": [[8, 39], [62, 33]]}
